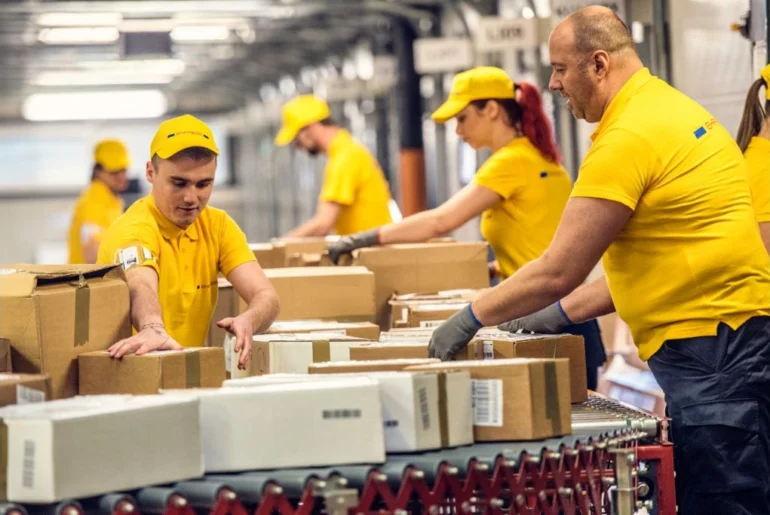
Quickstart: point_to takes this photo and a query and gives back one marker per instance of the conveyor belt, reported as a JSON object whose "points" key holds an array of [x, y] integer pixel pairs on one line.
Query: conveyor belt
{"points": [[602, 415]]}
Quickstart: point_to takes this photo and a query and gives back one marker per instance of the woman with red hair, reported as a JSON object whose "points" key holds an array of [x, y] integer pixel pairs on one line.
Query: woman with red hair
{"points": [[520, 191]]}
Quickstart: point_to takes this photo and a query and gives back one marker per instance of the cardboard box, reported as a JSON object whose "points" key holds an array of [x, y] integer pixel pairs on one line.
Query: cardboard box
{"points": [[267, 255], [53, 313], [5, 355], [147, 374], [516, 399], [345, 294], [423, 267], [291, 425], [228, 304], [384, 365], [288, 353], [24, 388], [422, 334], [406, 349], [504, 345], [365, 330], [113, 443], [290, 249], [432, 314]]}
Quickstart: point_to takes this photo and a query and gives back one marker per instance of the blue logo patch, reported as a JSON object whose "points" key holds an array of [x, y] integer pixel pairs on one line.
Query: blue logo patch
{"points": [[543, 175], [699, 132]]}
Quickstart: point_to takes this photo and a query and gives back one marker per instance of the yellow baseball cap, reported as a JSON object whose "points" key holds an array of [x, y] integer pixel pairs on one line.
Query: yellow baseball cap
{"points": [[766, 76], [478, 83], [111, 155], [297, 114], [180, 133]]}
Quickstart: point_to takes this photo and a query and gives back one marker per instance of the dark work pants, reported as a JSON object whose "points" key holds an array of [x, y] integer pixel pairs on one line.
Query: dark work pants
{"points": [[595, 354], [718, 397]]}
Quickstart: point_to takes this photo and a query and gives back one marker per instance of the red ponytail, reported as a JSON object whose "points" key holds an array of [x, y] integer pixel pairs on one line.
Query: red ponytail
{"points": [[535, 124]]}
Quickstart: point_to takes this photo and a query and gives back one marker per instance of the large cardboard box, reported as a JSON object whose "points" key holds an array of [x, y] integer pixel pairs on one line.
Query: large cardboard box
{"points": [[53, 313], [503, 345], [268, 256], [365, 330], [89, 446], [345, 294], [149, 373], [24, 388], [288, 353], [290, 425], [5, 355], [384, 365], [423, 267], [516, 399]]}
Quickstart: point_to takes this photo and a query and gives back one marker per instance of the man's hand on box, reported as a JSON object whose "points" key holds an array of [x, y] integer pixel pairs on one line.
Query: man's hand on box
{"points": [[348, 244], [151, 337], [550, 320], [243, 329], [453, 335]]}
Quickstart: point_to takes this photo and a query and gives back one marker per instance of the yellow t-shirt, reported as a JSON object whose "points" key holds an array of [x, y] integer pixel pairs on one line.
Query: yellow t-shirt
{"points": [[95, 210], [758, 161], [534, 192], [187, 261], [691, 255], [354, 180]]}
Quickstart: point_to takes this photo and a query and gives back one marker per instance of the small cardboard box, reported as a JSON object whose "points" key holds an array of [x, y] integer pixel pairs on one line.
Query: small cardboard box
{"points": [[267, 255], [422, 314], [53, 313], [385, 365], [516, 399], [290, 249], [5, 355], [24, 388], [288, 353], [89, 446], [345, 294], [147, 374], [406, 349], [504, 345], [290, 425], [365, 330]]}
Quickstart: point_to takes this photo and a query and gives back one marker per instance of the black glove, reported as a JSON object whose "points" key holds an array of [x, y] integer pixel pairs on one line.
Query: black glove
{"points": [[454, 335], [348, 244], [550, 320]]}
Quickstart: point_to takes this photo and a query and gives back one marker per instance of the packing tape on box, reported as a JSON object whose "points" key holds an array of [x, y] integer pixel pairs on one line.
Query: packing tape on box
{"points": [[321, 351], [192, 369], [82, 311], [443, 413], [552, 410]]}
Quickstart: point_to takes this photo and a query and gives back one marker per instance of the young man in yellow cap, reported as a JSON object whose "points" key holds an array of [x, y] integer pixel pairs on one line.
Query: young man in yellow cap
{"points": [[100, 204], [173, 246], [355, 195]]}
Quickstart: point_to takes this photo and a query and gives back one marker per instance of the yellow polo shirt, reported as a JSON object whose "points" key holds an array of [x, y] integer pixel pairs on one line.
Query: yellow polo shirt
{"points": [[691, 255], [95, 210], [533, 194], [354, 180], [187, 261], [757, 156]]}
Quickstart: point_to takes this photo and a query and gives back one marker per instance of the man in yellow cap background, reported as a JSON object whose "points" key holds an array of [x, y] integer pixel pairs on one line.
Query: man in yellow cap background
{"points": [[355, 194], [172, 246], [100, 203]]}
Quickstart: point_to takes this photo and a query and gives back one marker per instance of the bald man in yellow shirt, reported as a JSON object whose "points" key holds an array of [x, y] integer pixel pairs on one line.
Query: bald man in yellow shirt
{"points": [[355, 195], [663, 198], [173, 246]]}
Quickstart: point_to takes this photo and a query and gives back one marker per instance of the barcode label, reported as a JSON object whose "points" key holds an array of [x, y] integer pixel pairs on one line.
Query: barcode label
{"points": [[341, 413], [431, 324], [28, 466], [487, 397], [488, 350], [422, 396], [27, 395]]}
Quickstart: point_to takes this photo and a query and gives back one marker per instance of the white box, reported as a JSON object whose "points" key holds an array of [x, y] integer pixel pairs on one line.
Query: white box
{"points": [[87, 446], [290, 425]]}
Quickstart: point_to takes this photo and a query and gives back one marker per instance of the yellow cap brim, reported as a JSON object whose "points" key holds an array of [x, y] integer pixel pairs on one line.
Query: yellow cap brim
{"points": [[185, 141], [448, 110], [116, 165], [286, 135]]}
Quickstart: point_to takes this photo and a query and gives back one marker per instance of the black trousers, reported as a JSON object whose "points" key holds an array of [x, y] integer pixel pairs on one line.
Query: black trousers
{"points": [[595, 353], [718, 397]]}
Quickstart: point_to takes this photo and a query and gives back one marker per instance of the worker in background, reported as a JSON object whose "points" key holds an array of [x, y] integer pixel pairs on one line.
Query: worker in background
{"points": [[519, 192], [663, 196], [754, 140], [172, 246], [100, 204], [355, 194]]}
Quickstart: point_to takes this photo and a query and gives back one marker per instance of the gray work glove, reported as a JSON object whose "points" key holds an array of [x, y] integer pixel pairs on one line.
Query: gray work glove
{"points": [[348, 244], [453, 335], [550, 320]]}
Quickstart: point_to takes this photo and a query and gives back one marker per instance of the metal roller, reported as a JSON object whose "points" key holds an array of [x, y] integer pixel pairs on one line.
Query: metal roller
{"points": [[356, 475], [68, 507], [156, 500], [12, 509], [250, 489], [202, 494], [293, 481]]}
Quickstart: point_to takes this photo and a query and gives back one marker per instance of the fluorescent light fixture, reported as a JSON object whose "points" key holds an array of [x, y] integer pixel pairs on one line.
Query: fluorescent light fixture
{"points": [[528, 13], [100, 105], [78, 19], [97, 78], [78, 35], [141, 66], [200, 33]]}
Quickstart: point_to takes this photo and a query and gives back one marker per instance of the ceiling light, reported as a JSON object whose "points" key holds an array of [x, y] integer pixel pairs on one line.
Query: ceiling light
{"points": [[78, 35], [200, 33], [78, 19], [97, 78], [104, 105], [528, 13]]}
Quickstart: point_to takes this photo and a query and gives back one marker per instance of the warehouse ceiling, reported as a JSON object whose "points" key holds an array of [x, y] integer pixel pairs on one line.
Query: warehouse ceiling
{"points": [[202, 55]]}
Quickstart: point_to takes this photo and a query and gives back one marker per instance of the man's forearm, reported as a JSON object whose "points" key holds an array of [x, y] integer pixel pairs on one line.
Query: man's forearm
{"points": [[263, 308], [145, 305], [589, 301], [412, 229]]}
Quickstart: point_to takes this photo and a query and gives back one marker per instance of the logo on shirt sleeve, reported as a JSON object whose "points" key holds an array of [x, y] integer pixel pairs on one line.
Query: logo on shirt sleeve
{"points": [[133, 256], [703, 129]]}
